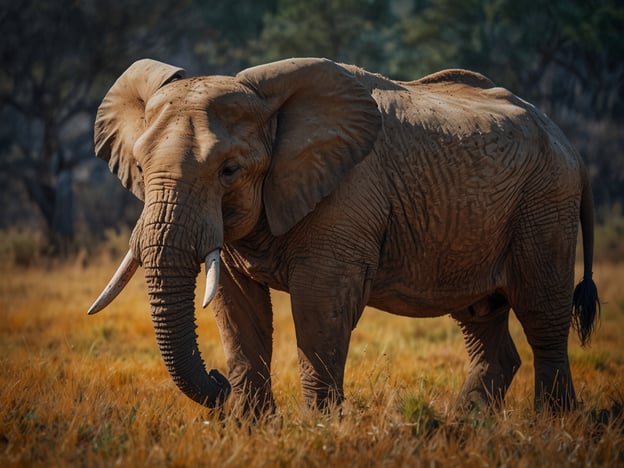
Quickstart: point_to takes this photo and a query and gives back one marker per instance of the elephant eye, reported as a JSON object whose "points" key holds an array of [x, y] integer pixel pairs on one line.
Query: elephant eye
{"points": [[139, 168], [229, 170]]}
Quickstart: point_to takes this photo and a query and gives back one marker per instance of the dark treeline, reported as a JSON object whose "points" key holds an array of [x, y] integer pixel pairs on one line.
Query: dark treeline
{"points": [[57, 59]]}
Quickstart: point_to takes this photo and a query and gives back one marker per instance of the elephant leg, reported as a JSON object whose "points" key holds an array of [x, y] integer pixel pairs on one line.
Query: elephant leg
{"points": [[244, 316], [541, 297], [547, 334], [327, 303], [494, 359]]}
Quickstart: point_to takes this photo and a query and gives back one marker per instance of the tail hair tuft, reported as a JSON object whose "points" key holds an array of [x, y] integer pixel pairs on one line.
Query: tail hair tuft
{"points": [[585, 309]]}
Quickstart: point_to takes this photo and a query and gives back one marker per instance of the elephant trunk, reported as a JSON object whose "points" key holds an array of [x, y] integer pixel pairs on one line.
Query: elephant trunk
{"points": [[171, 269], [173, 315]]}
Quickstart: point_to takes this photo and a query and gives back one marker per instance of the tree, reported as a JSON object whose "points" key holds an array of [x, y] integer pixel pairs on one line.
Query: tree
{"points": [[221, 35], [57, 60], [565, 56], [353, 31], [552, 52]]}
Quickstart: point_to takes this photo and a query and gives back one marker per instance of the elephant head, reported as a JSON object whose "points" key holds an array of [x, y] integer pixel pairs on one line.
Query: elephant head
{"points": [[211, 157]]}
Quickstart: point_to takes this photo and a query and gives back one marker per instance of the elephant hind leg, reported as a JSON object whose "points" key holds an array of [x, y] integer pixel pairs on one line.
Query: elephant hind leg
{"points": [[494, 359], [540, 293], [548, 339], [553, 379]]}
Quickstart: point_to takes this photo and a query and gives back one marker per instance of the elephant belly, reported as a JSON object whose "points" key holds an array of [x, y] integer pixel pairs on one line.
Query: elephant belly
{"points": [[403, 300], [428, 274]]}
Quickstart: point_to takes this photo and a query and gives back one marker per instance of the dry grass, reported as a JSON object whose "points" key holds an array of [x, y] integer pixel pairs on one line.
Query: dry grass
{"points": [[92, 391]]}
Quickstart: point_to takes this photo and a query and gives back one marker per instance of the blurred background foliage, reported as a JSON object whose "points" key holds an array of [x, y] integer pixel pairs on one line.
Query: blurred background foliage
{"points": [[57, 60]]}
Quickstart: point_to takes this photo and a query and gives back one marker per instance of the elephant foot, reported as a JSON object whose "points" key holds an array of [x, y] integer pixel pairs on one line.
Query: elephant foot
{"points": [[554, 390], [319, 397], [325, 402], [486, 385], [494, 359], [256, 405]]}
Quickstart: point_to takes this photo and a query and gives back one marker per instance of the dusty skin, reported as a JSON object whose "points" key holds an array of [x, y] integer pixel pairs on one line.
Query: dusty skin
{"points": [[445, 195]]}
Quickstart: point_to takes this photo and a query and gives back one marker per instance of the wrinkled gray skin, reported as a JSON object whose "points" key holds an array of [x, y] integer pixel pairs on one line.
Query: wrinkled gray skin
{"points": [[445, 195]]}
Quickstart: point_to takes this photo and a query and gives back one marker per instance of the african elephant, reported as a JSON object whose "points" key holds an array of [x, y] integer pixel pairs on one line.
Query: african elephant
{"points": [[445, 195]]}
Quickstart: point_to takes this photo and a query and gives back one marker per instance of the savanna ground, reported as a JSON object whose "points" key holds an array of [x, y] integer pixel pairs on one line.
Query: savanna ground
{"points": [[92, 391]]}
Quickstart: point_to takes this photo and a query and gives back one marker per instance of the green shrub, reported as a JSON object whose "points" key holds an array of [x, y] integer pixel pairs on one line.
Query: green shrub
{"points": [[420, 415], [20, 247], [609, 235], [115, 243]]}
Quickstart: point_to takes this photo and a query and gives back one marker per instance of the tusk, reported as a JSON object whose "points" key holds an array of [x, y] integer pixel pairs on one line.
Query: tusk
{"points": [[119, 281], [212, 276]]}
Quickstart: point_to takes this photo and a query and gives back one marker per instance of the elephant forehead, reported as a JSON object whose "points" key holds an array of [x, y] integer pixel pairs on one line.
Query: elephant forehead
{"points": [[176, 139], [210, 92], [185, 135], [203, 106]]}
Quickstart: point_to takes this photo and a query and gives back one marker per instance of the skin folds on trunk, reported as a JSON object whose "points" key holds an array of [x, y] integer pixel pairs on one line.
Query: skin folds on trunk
{"points": [[172, 293], [170, 255]]}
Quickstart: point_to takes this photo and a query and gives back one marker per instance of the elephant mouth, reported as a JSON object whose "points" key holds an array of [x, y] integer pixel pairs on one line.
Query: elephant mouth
{"points": [[128, 268]]}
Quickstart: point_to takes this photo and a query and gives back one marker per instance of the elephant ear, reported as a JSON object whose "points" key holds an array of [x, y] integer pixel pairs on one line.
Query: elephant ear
{"points": [[120, 119], [326, 123]]}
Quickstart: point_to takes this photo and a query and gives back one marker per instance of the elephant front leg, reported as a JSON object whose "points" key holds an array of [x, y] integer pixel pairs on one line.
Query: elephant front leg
{"points": [[245, 319], [494, 359], [326, 307]]}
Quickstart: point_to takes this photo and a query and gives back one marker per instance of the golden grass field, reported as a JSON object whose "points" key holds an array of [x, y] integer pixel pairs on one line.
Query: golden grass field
{"points": [[92, 391]]}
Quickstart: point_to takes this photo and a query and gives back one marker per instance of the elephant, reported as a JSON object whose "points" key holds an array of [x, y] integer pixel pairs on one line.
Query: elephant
{"points": [[446, 195]]}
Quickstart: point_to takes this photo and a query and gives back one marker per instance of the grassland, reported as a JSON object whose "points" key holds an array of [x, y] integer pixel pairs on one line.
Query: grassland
{"points": [[92, 391]]}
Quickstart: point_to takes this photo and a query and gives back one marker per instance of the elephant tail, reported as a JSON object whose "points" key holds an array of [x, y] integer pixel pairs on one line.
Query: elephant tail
{"points": [[585, 302]]}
